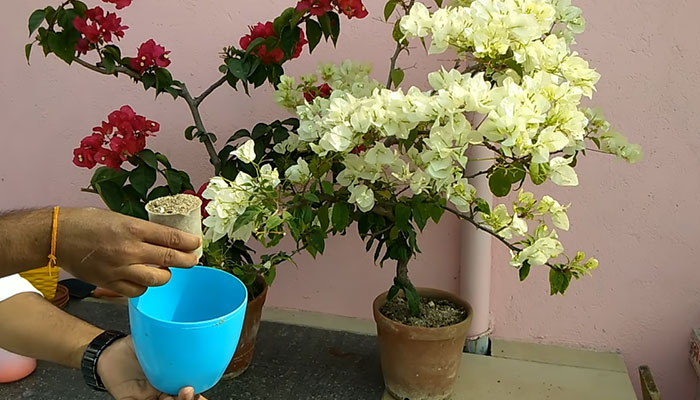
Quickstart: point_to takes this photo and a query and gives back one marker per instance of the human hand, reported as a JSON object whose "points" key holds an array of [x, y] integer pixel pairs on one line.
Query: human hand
{"points": [[122, 375], [116, 252]]}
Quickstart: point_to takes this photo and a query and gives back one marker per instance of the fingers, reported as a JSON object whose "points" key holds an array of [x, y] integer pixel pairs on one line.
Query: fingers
{"points": [[165, 256], [168, 237], [126, 288], [144, 275], [186, 393]]}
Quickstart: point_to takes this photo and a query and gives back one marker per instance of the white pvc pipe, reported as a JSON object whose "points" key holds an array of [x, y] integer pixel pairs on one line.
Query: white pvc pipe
{"points": [[475, 268]]}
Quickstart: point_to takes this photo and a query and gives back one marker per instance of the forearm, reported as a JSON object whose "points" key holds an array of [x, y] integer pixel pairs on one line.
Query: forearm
{"points": [[33, 327], [25, 240]]}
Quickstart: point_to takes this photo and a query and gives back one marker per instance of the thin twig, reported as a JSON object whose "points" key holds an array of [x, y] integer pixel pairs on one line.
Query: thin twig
{"points": [[194, 109], [199, 99], [480, 227], [117, 70], [88, 190]]}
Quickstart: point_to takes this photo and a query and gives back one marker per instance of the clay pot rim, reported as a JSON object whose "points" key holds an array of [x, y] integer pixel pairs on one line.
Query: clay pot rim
{"points": [[420, 332]]}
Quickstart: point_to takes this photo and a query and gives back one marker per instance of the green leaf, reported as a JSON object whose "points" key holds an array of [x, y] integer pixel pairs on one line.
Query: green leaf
{"points": [[558, 281], [289, 40], [283, 20], [270, 275], [539, 173], [273, 222], [596, 141], [257, 42], [237, 68], [66, 17], [318, 238], [524, 271], [248, 216], [63, 44], [108, 64], [259, 76], [313, 34], [134, 208], [111, 194], [436, 212], [499, 183], [79, 7], [105, 174], [311, 197], [392, 292], [397, 34], [27, 51], [335, 26], [142, 178], [189, 132], [413, 300], [163, 79], [174, 180], [163, 160], [36, 19], [397, 76], [323, 217], [327, 188], [148, 80], [156, 193], [50, 14], [149, 157], [325, 21], [516, 173], [439, 3], [341, 216], [241, 133], [186, 184], [403, 215], [389, 8], [482, 205]]}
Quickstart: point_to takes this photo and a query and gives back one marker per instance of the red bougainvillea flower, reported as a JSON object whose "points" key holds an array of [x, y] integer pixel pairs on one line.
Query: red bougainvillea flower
{"points": [[318, 91], [315, 7], [276, 55], [115, 140], [97, 27], [108, 158], [358, 149], [150, 54], [84, 157], [119, 3], [353, 8]]}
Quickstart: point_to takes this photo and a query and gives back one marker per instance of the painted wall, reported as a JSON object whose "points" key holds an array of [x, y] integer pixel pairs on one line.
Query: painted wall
{"points": [[641, 222]]}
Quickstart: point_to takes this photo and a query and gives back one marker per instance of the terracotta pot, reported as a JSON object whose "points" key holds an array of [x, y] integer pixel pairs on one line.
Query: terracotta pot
{"points": [[246, 344], [421, 363]]}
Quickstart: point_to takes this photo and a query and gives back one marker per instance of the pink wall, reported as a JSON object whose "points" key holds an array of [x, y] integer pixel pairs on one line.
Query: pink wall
{"points": [[641, 221]]}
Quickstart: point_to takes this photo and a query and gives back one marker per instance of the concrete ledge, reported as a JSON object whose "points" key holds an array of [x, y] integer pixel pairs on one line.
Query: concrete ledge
{"points": [[319, 320]]}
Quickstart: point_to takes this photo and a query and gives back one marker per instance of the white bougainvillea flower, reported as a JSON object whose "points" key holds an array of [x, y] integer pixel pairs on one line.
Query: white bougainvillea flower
{"points": [[246, 152]]}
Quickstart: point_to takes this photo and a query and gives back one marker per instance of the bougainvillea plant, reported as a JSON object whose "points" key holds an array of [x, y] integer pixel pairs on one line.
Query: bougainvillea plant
{"points": [[128, 173], [384, 158]]}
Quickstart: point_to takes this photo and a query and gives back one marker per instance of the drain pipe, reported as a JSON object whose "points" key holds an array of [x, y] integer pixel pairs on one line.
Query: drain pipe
{"points": [[475, 268]]}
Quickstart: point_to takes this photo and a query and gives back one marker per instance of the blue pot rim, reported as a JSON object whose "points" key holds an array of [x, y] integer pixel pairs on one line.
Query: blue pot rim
{"points": [[203, 323]]}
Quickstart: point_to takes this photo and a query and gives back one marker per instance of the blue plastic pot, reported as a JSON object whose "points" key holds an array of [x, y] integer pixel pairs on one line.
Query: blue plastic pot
{"points": [[185, 332]]}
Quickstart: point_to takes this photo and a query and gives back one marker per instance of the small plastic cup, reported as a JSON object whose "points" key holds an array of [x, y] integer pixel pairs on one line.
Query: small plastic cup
{"points": [[186, 332]]}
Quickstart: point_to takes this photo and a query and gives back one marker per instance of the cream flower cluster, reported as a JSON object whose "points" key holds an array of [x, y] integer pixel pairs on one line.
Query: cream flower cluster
{"points": [[229, 200]]}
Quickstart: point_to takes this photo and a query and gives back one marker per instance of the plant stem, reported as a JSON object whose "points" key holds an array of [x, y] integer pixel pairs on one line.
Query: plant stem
{"points": [[204, 137], [399, 47], [480, 227], [117, 70], [192, 103], [199, 99], [402, 273]]}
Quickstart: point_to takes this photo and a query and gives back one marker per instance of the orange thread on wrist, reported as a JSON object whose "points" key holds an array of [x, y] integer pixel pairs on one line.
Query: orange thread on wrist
{"points": [[54, 234]]}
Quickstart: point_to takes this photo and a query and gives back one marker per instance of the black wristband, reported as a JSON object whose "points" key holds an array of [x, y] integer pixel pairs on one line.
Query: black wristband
{"points": [[92, 353]]}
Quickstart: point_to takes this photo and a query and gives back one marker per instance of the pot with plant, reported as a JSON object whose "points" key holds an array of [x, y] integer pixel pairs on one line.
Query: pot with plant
{"points": [[391, 159], [129, 174]]}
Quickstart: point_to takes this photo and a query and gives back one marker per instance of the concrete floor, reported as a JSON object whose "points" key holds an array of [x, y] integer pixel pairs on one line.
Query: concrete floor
{"points": [[515, 371], [310, 356]]}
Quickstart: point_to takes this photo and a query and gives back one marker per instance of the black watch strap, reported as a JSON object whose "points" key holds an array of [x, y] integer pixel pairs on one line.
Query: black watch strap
{"points": [[92, 354]]}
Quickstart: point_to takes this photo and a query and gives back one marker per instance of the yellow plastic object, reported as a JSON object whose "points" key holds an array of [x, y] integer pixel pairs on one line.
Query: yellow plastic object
{"points": [[45, 279]]}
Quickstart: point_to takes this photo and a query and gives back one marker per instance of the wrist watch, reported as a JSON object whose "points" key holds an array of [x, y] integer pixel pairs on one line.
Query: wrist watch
{"points": [[89, 363]]}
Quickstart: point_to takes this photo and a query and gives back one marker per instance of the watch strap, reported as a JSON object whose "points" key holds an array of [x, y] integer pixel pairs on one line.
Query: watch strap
{"points": [[92, 353]]}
